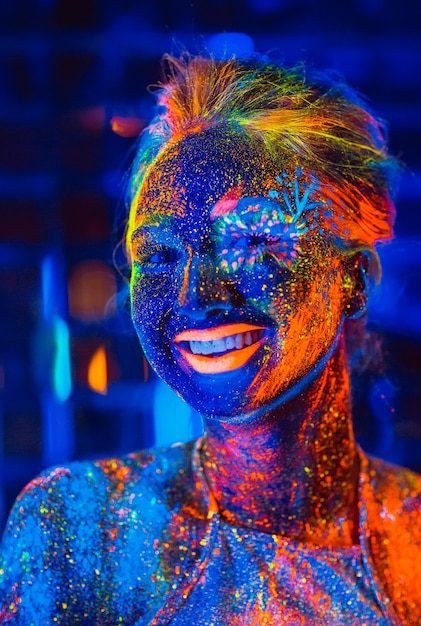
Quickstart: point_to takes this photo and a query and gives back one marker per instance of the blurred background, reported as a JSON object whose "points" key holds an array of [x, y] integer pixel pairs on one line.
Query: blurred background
{"points": [[73, 96]]}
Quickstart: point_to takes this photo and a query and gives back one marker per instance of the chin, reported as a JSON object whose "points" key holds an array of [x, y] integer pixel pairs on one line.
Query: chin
{"points": [[224, 407], [246, 405]]}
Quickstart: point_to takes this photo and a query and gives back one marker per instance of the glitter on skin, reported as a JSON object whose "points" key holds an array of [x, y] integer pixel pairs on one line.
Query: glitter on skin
{"points": [[178, 281], [138, 540], [274, 515], [263, 225]]}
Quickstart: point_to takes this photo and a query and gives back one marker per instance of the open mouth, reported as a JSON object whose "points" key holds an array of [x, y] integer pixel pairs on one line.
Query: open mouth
{"points": [[220, 349], [226, 344]]}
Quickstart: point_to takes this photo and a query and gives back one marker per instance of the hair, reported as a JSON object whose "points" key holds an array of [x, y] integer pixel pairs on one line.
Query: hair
{"points": [[313, 115]]}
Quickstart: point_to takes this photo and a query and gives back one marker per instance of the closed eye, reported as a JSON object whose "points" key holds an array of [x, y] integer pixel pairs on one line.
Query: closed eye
{"points": [[251, 248], [255, 239], [158, 258], [166, 255]]}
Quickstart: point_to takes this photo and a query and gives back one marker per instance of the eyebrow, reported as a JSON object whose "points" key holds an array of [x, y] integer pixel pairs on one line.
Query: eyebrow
{"points": [[149, 222]]}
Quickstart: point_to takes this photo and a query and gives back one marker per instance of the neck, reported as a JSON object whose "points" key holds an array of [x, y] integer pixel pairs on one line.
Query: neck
{"points": [[295, 472]]}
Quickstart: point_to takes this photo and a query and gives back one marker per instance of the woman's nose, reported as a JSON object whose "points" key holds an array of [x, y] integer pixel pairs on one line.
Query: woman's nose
{"points": [[205, 290]]}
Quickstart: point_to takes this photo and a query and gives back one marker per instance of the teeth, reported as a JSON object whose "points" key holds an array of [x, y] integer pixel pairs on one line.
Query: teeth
{"points": [[206, 347], [194, 347], [232, 342], [218, 345]]}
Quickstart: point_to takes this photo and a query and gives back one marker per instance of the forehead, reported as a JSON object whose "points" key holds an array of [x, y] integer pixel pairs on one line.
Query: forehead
{"points": [[199, 170]]}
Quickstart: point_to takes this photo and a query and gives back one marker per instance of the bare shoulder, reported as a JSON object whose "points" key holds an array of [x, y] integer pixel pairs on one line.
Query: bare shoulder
{"points": [[76, 524], [148, 468]]}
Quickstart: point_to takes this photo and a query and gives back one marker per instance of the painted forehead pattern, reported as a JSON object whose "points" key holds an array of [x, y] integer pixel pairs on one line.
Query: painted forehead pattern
{"points": [[275, 224]]}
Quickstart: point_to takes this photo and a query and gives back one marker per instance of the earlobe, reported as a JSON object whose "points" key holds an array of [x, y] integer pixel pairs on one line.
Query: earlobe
{"points": [[356, 284]]}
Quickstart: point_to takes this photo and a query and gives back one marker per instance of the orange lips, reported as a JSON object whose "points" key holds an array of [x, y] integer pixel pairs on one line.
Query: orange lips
{"points": [[226, 362]]}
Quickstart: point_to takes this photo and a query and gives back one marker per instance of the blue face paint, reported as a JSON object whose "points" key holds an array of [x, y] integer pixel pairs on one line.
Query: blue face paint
{"points": [[224, 272]]}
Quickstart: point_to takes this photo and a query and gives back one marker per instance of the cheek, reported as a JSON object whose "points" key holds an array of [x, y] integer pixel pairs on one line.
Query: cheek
{"points": [[315, 316], [309, 318], [267, 287], [150, 297]]}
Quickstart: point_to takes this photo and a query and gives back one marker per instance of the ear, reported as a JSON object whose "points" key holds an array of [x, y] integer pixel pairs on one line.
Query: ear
{"points": [[361, 268]]}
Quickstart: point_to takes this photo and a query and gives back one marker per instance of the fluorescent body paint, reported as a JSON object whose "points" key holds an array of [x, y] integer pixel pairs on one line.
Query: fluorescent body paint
{"points": [[223, 235], [238, 244], [250, 228], [140, 539]]}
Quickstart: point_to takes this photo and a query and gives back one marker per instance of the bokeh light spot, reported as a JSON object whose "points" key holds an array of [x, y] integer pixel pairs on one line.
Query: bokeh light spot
{"points": [[97, 371], [92, 290]]}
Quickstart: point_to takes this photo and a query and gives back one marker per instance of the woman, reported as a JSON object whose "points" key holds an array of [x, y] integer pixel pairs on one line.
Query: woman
{"points": [[256, 199]]}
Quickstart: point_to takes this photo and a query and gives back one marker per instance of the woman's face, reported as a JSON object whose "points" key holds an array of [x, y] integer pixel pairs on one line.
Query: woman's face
{"points": [[236, 290]]}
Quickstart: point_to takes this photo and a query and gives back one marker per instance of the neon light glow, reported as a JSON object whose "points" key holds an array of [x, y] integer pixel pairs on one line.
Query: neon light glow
{"points": [[62, 376], [97, 371]]}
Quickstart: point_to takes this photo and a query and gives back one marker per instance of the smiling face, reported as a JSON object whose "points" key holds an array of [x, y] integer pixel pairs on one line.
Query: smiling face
{"points": [[236, 289]]}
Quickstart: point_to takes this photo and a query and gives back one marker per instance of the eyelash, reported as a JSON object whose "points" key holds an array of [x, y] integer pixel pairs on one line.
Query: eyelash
{"points": [[253, 247], [145, 259], [259, 238]]}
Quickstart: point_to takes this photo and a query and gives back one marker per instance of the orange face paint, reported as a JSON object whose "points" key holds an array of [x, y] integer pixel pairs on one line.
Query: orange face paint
{"points": [[225, 363], [210, 334], [218, 363]]}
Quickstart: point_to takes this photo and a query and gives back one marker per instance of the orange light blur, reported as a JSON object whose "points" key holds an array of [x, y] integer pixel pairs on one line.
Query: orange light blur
{"points": [[97, 371], [91, 290], [127, 126]]}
